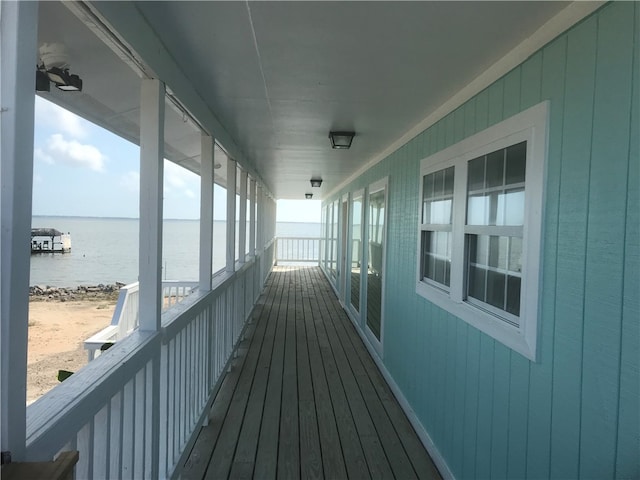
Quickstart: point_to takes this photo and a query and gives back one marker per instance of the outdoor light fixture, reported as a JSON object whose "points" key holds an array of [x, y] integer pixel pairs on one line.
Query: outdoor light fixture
{"points": [[341, 140], [308, 196], [64, 80], [53, 67], [316, 182]]}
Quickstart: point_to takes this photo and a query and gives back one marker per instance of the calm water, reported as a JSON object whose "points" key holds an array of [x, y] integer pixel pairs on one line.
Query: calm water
{"points": [[105, 250]]}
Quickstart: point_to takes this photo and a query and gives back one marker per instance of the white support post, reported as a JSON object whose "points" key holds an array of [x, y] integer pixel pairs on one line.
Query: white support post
{"points": [[252, 217], [151, 175], [243, 217], [18, 47], [152, 103], [260, 220], [231, 215], [206, 212]]}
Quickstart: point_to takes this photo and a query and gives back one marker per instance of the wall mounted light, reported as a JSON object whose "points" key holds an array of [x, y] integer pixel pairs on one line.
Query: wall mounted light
{"points": [[316, 182], [64, 80], [308, 196], [341, 140]]}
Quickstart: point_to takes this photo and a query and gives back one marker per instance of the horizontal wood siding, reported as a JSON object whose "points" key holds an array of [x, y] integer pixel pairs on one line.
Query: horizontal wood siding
{"points": [[574, 413]]}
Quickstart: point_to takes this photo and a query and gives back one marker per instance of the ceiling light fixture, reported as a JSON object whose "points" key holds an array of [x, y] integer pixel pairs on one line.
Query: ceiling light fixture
{"points": [[341, 140], [308, 196], [54, 67], [316, 182], [64, 80]]}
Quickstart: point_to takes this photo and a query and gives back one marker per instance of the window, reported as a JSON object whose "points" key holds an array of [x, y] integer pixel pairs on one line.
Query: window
{"points": [[437, 200], [480, 228]]}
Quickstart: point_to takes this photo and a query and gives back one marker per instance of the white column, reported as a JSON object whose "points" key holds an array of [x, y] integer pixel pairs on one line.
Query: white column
{"points": [[151, 175], [231, 215], [260, 220], [206, 212], [18, 47], [152, 98], [252, 217], [243, 216]]}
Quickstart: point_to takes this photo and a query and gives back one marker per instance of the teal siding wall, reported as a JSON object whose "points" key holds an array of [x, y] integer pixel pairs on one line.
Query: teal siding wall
{"points": [[574, 413]]}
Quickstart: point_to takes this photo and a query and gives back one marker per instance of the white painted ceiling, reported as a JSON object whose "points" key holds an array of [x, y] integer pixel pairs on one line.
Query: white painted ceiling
{"points": [[279, 76]]}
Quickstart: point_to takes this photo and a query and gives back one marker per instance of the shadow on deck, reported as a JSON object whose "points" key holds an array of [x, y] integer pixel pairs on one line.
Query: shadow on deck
{"points": [[304, 399]]}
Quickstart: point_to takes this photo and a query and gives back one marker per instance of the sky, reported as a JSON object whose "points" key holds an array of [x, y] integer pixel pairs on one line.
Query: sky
{"points": [[81, 169]]}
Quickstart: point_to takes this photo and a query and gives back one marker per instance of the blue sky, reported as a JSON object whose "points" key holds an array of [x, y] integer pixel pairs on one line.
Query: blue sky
{"points": [[81, 169]]}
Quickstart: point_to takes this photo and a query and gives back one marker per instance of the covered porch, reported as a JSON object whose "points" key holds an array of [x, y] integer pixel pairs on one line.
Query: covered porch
{"points": [[303, 397], [246, 95]]}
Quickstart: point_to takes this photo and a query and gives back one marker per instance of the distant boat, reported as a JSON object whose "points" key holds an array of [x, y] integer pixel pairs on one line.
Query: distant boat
{"points": [[49, 240]]}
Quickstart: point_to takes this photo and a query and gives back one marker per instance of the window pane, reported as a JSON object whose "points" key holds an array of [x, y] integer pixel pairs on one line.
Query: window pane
{"points": [[448, 181], [498, 250], [495, 289], [476, 174], [476, 208], [516, 163], [495, 169], [436, 256], [437, 197], [482, 249], [438, 183], [514, 208], [493, 209], [440, 212], [476, 283], [356, 252], [515, 255], [427, 193], [427, 186], [513, 295]]}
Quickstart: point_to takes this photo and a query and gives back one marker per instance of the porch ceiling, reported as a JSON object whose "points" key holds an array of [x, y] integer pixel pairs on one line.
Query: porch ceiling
{"points": [[278, 76]]}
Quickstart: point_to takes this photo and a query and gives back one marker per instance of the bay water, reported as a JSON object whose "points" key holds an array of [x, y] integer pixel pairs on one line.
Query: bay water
{"points": [[105, 250]]}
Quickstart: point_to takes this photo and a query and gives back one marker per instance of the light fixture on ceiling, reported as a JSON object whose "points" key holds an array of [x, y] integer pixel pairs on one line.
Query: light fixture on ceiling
{"points": [[54, 67], [64, 80], [316, 182], [341, 140], [308, 196]]}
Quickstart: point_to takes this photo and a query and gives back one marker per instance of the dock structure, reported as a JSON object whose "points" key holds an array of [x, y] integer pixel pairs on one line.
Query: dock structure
{"points": [[49, 240]]}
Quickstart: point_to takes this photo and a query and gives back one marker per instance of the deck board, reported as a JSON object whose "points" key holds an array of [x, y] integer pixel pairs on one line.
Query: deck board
{"points": [[304, 399]]}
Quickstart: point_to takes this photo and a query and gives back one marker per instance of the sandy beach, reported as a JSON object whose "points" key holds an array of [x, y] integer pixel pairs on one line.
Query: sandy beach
{"points": [[57, 330]]}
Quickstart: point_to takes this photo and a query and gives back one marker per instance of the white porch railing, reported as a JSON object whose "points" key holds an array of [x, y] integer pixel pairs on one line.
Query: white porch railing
{"points": [[134, 411], [126, 314], [298, 249]]}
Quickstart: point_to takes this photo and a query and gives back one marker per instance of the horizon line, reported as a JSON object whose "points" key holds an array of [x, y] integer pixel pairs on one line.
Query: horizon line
{"points": [[138, 218]]}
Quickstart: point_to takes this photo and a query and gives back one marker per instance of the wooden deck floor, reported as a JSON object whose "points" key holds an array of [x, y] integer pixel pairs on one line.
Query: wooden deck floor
{"points": [[304, 398]]}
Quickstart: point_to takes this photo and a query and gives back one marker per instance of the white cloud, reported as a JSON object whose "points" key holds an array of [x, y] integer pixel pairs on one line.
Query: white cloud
{"points": [[74, 153], [130, 181], [42, 156], [50, 114], [179, 180]]}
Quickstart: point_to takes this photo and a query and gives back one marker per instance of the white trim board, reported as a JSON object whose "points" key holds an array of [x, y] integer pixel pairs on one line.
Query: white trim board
{"points": [[563, 21]]}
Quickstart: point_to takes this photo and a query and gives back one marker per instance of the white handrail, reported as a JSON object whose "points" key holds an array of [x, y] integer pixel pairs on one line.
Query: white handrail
{"points": [[298, 249], [126, 318], [110, 410]]}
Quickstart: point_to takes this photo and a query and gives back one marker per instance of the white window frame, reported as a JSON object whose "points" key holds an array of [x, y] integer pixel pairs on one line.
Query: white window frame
{"points": [[530, 126]]}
